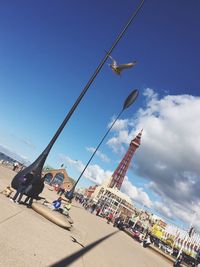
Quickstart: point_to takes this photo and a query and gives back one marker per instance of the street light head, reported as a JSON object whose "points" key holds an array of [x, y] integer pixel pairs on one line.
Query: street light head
{"points": [[131, 99]]}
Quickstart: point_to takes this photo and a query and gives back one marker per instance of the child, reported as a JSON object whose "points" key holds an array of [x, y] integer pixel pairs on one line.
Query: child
{"points": [[67, 208], [56, 204], [7, 191]]}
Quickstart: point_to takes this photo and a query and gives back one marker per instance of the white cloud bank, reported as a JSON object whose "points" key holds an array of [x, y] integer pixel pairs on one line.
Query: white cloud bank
{"points": [[93, 173], [170, 150], [14, 155], [136, 193], [102, 156]]}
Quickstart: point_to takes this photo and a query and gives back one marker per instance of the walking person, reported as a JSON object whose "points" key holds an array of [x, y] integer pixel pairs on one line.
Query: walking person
{"points": [[98, 211], [15, 166], [23, 184], [61, 191], [67, 208], [147, 241], [178, 261], [117, 221], [109, 218], [93, 207]]}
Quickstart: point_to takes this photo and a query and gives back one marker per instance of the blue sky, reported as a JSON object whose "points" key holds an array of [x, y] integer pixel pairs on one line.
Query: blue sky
{"points": [[48, 51]]}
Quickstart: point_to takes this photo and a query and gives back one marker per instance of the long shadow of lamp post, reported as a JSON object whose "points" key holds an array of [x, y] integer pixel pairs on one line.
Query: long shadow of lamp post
{"points": [[127, 103], [38, 164]]}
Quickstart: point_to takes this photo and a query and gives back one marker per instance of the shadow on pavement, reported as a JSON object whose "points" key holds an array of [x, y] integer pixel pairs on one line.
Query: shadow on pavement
{"points": [[68, 260]]}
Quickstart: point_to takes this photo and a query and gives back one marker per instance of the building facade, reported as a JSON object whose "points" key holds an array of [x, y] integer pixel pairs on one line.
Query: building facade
{"points": [[113, 199], [58, 177]]}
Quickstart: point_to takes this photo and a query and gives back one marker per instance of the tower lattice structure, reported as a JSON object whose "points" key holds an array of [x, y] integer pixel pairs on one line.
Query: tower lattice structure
{"points": [[120, 172]]}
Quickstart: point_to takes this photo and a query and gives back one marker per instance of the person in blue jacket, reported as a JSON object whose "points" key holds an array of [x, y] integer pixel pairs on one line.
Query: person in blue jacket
{"points": [[56, 204]]}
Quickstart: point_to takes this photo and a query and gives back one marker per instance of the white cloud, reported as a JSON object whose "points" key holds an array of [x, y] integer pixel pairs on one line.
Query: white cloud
{"points": [[150, 94], [190, 214], [116, 142], [136, 193], [28, 142], [119, 124], [14, 155], [164, 210], [102, 156], [93, 173]]}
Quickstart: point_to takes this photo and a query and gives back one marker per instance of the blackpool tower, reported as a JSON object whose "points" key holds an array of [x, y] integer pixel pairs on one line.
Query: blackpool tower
{"points": [[120, 172]]}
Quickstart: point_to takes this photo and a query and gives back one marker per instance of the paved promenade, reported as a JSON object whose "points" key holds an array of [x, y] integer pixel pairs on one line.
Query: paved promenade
{"points": [[28, 239]]}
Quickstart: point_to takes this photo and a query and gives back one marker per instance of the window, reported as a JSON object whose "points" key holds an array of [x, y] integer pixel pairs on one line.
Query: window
{"points": [[58, 178], [48, 177]]}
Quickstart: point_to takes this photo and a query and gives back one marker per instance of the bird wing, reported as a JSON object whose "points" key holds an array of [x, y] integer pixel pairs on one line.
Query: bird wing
{"points": [[111, 57], [114, 62], [126, 66]]}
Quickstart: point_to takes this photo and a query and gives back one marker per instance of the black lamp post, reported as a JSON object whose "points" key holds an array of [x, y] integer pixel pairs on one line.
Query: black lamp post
{"points": [[127, 103], [38, 164]]}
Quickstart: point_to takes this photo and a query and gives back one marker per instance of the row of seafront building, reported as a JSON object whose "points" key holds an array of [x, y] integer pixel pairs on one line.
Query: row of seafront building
{"points": [[121, 204]]}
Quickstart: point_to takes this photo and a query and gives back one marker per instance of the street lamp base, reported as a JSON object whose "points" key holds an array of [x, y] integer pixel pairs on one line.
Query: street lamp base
{"points": [[70, 194]]}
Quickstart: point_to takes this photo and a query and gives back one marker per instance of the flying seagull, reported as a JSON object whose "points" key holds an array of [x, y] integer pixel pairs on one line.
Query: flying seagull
{"points": [[118, 68]]}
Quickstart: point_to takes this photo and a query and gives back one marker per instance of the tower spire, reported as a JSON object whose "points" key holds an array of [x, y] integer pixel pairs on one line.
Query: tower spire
{"points": [[120, 172]]}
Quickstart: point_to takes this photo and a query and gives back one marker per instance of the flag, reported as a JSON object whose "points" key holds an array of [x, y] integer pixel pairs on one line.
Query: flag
{"points": [[191, 231]]}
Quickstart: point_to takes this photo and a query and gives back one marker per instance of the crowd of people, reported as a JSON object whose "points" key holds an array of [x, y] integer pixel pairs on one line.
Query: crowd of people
{"points": [[16, 166], [60, 190], [97, 208]]}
